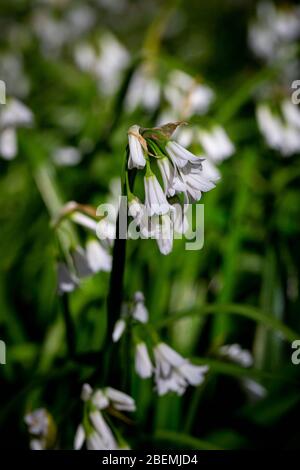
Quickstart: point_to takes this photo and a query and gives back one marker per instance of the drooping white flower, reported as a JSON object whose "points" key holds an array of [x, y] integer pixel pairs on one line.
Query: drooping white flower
{"points": [[173, 373], [144, 91], [165, 233], [143, 365], [155, 199], [235, 353], [118, 330], [119, 400], [8, 143], [216, 143], [179, 155], [195, 182], [136, 152], [98, 258], [139, 311]]}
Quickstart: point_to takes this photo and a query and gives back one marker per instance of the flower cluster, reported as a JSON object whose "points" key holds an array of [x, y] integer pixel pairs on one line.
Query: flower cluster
{"points": [[172, 372], [280, 128], [272, 33], [181, 173], [94, 429]]}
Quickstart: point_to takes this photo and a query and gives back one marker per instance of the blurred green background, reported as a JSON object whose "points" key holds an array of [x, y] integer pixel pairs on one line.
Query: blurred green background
{"points": [[242, 287]]}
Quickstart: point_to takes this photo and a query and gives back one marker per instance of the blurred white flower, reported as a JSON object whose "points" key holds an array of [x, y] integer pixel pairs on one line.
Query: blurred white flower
{"points": [[186, 96], [143, 365], [235, 353], [118, 330], [173, 373], [66, 156], [273, 31], [97, 256], [281, 131], [139, 311], [143, 90], [42, 429], [106, 64], [12, 115], [216, 143]]}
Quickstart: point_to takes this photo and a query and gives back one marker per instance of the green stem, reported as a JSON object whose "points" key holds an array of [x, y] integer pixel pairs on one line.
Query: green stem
{"points": [[233, 309]]}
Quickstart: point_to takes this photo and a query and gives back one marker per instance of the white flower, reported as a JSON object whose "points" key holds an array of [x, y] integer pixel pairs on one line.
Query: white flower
{"points": [[185, 96], [165, 233], [155, 199], [8, 143], [179, 155], [15, 114], [98, 258], [235, 353], [136, 152], [173, 372], [216, 143], [280, 132], [139, 311], [143, 365], [144, 90], [118, 330], [210, 171], [195, 182], [120, 400]]}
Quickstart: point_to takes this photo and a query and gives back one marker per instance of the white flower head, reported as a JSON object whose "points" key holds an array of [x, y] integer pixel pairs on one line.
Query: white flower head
{"points": [[136, 148], [143, 365], [173, 373]]}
